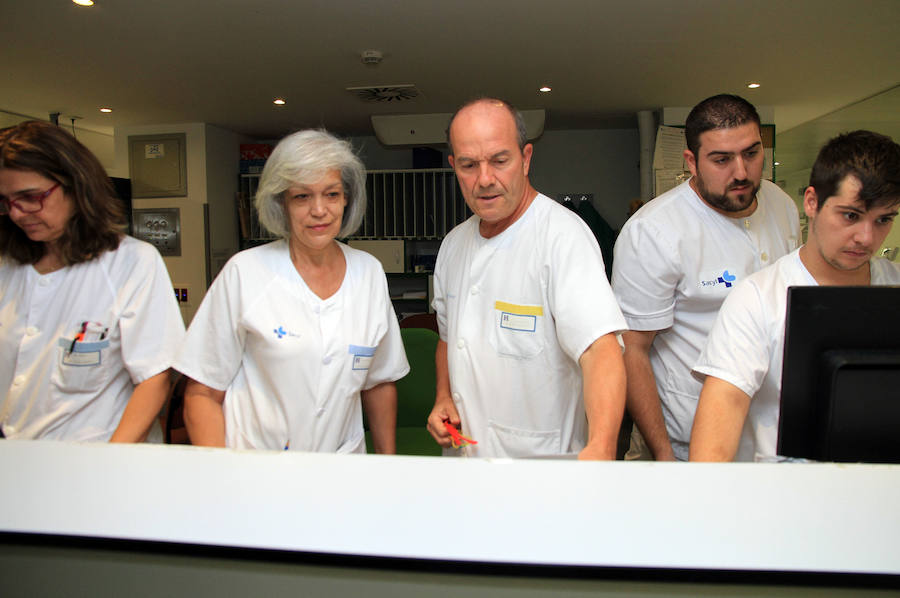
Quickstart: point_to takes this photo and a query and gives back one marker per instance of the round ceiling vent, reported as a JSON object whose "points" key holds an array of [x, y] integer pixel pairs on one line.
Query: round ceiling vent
{"points": [[385, 93]]}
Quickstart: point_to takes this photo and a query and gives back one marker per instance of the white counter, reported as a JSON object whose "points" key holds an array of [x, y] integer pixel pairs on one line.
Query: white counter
{"points": [[775, 517]]}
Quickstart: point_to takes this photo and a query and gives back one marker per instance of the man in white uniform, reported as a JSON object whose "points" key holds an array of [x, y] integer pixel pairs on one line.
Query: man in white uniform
{"points": [[680, 255], [527, 320], [851, 202]]}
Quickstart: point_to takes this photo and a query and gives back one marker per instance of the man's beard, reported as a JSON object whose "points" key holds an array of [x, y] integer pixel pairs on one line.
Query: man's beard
{"points": [[725, 203]]}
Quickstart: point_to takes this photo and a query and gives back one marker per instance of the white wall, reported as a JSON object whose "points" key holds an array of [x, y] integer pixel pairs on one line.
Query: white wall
{"points": [[605, 162]]}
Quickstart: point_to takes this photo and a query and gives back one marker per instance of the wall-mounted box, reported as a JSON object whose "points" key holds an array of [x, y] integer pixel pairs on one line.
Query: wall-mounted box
{"points": [[161, 227], [158, 165]]}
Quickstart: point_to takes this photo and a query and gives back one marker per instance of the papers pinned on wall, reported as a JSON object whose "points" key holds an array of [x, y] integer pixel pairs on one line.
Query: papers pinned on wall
{"points": [[669, 168], [669, 179], [668, 154]]}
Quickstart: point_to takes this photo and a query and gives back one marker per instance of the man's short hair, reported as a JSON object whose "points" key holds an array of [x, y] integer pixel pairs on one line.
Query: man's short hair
{"points": [[724, 111], [521, 132], [872, 158]]}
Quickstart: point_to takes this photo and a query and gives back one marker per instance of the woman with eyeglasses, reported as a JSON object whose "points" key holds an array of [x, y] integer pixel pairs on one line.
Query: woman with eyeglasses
{"points": [[88, 321], [297, 337]]}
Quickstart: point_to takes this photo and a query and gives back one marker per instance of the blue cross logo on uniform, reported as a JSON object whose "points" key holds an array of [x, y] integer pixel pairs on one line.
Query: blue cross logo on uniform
{"points": [[727, 279], [280, 331]]}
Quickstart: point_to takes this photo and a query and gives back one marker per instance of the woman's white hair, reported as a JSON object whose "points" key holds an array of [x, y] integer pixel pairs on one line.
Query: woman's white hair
{"points": [[303, 158]]}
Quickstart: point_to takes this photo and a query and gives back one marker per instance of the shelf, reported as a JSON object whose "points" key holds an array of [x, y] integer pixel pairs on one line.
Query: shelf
{"points": [[403, 284]]}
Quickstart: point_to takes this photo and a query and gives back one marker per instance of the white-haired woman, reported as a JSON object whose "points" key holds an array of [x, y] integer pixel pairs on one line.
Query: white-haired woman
{"points": [[295, 336]]}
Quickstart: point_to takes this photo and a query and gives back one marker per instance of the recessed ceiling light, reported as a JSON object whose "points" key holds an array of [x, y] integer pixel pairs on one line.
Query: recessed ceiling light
{"points": [[544, 89], [84, 2], [753, 85], [106, 110], [279, 102]]}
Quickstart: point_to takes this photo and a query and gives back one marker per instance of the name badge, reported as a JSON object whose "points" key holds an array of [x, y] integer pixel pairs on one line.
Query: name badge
{"points": [[522, 318], [362, 356], [82, 354]]}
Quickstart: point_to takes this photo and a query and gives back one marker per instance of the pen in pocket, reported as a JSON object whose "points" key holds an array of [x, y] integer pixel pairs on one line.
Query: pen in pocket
{"points": [[78, 337], [86, 328]]}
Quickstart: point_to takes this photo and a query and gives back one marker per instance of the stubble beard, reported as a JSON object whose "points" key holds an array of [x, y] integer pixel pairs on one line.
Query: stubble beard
{"points": [[835, 262]]}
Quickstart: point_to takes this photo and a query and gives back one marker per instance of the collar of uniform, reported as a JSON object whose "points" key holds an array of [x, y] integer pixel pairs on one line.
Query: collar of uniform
{"points": [[510, 232]]}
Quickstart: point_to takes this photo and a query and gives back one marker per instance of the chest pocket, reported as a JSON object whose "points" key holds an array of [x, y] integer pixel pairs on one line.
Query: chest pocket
{"points": [[361, 357], [517, 330], [354, 374], [80, 367]]}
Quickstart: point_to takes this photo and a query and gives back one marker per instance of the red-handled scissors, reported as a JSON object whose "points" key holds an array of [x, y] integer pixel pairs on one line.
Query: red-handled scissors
{"points": [[457, 439]]}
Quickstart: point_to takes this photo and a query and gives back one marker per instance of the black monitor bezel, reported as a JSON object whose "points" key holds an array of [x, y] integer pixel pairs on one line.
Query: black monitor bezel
{"points": [[860, 322]]}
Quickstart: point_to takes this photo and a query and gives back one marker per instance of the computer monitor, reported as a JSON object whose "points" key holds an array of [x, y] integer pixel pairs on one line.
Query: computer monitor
{"points": [[840, 389]]}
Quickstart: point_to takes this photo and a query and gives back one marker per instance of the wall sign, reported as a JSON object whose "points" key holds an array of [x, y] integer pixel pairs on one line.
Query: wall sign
{"points": [[154, 150]]}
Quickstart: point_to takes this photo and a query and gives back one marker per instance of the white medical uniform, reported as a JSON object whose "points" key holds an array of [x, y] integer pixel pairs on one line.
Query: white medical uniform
{"points": [[675, 262], [517, 311], [746, 345], [54, 390], [292, 364]]}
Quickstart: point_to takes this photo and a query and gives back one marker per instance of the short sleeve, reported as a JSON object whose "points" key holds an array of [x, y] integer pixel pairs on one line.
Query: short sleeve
{"points": [[737, 348], [581, 301], [214, 343], [646, 274], [151, 325]]}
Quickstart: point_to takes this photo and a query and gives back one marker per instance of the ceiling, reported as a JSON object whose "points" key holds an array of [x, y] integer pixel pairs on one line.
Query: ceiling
{"points": [[222, 62]]}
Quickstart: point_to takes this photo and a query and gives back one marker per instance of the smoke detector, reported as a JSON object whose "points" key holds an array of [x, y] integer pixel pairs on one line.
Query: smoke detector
{"points": [[385, 93], [371, 56]]}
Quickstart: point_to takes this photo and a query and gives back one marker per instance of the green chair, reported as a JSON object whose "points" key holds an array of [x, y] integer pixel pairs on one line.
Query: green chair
{"points": [[415, 395]]}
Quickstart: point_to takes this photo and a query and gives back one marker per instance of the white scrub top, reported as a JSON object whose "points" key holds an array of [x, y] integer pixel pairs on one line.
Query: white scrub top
{"points": [[675, 262], [517, 311], [746, 345], [54, 390], [292, 365]]}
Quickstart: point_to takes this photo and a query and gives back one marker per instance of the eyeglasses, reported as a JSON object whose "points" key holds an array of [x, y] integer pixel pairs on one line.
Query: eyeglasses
{"points": [[29, 203]]}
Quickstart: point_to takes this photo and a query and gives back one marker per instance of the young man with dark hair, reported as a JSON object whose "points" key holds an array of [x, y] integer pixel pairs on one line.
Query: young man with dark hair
{"points": [[851, 203], [679, 256]]}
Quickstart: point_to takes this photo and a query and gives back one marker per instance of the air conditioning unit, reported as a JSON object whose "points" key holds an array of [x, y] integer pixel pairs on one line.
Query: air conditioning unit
{"points": [[430, 129]]}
